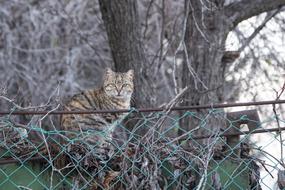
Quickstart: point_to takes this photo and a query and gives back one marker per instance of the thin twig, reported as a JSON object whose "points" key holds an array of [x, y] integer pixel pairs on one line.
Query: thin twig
{"points": [[278, 95], [258, 29]]}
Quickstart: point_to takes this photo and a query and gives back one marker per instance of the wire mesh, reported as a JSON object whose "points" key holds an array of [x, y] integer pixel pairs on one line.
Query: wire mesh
{"points": [[149, 150]]}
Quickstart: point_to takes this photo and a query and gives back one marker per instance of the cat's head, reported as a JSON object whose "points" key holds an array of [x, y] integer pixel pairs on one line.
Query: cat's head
{"points": [[119, 85]]}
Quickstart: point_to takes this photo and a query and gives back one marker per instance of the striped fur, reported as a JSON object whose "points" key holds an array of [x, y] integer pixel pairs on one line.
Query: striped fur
{"points": [[97, 129]]}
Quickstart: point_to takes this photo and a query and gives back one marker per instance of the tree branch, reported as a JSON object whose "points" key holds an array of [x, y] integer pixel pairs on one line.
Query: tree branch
{"points": [[269, 16], [245, 9]]}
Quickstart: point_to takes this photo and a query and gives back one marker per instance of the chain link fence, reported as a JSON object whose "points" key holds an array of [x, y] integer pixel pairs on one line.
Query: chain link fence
{"points": [[151, 149]]}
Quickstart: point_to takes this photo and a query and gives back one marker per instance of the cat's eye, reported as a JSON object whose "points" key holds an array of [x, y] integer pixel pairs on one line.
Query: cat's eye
{"points": [[126, 85], [109, 87]]}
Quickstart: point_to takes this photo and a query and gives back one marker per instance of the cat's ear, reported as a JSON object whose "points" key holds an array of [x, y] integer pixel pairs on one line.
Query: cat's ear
{"points": [[130, 73], [108, 71], [108, 74]]}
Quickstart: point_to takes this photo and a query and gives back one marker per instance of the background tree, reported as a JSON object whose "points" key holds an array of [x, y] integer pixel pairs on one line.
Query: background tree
{"points": [[125, 39], [207, 27], [203, 39]]}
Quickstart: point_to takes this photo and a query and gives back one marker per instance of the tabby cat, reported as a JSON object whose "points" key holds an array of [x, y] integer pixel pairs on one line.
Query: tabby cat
{"points": [[97, 129]]}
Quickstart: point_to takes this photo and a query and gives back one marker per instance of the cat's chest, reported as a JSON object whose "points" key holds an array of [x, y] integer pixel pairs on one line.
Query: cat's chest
{"points": [[111, 118]]}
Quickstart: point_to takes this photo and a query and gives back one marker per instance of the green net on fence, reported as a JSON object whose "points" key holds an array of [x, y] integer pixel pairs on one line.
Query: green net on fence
{"points": [[148, 151]]}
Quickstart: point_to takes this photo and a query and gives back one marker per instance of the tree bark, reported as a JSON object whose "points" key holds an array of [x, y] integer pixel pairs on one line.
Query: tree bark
{"points": [[205, 37], [203, 70], [122, 24]]}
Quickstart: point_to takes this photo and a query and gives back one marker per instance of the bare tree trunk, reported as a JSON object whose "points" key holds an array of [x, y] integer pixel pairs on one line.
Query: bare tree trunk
{"points": [[203, 71], [122, 24], [207, 28]]}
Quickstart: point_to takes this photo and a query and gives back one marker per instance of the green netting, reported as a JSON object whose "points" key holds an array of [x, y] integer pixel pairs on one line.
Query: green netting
{"points": [[148, 151]]}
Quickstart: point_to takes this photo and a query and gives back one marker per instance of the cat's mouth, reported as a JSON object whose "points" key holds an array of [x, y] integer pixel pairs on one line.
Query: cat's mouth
{"points": [[119, 96]]}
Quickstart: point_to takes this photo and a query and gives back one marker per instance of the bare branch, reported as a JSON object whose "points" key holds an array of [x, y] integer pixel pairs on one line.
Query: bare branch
{"points": [[259, 28], [242, 10]]}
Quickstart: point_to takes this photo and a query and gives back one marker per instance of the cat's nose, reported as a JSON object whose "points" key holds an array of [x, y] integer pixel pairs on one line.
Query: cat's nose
{"points": [[119, 91]]}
